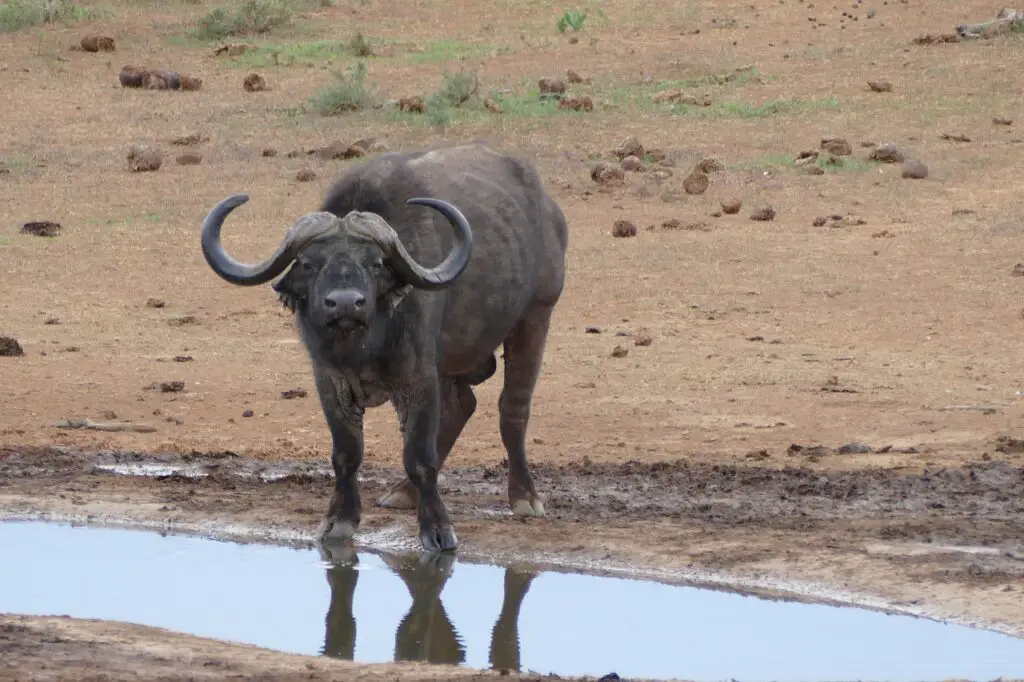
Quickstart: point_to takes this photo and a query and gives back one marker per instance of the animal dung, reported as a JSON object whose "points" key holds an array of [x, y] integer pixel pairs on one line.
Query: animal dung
{"points": [[254, 83], [157, 79], [96, 43], [41, 228], [144, 159], [10, 348]]}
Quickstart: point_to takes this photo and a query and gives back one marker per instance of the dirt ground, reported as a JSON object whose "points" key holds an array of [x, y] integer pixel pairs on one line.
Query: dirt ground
{"points": [[701, 378]]}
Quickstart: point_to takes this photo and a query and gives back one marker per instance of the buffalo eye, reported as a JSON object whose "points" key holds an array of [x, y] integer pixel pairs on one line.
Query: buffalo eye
{"points": [[377, 266], [307, 266]]}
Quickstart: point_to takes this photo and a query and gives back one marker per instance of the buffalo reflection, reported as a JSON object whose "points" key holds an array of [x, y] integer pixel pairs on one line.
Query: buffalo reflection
{"points": [[425, 633]]}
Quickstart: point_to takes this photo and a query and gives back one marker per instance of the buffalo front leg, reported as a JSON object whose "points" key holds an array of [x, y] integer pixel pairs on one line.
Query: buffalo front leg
{"points": [[419, 411], [345, 420], [457, 406], [524, 353]]}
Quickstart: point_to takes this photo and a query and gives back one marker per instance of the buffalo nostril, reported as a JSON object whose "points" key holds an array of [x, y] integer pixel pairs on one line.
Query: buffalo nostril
{"points": [[330, 303], [359, 302]]}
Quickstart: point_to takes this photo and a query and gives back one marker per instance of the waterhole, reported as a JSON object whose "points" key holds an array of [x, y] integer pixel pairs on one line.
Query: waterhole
{"points": [[376, 607]]}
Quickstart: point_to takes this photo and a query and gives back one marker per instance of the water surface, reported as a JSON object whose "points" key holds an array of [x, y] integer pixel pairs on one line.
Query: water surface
{"points": [[375, 607]]}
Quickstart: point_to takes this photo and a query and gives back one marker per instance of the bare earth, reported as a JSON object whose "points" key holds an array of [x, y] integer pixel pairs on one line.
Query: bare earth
{"points": [[694, 454]]}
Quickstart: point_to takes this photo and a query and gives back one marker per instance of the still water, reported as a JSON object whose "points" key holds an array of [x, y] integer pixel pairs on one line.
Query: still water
{"points": [[376, 607]]}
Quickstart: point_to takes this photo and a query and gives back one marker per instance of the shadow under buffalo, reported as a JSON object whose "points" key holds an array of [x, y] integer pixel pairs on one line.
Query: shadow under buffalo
{"points": [[426, 633]]}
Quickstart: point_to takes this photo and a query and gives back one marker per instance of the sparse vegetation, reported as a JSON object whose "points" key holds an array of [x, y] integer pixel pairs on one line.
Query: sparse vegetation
{"points": [[350, 93], [574, 19], [252, 17], [309, 53], [18, 14]]}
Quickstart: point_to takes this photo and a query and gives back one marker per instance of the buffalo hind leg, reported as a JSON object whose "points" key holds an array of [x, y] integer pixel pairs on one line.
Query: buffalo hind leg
{"points": [[457, 406], [524, 353]]}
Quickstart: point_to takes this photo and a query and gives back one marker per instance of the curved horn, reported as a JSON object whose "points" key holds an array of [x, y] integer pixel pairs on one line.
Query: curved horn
{"points": [[442, 275], [244, 274]]}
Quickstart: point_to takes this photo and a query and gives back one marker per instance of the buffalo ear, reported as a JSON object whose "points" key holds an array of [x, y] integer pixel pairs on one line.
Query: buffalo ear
{"points": [[287, 292], [396, 295]]}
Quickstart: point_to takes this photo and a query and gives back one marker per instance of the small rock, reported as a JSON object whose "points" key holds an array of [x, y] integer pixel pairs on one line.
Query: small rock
{"points": [[955, 137], [182, 358], [623, 228], [632, 164], [493, 106], [854, 449], [820, 221], [412, 104], [887, 153], [52, 320], [551, 86], [172, 386], [696, 182], [97, 43], [604, 173], [10, 348], [643, 339], [155, 303], [577, 103], [592, 330], [294, 393], [41, 228], [305, 175], [806, 157], [254, 83], [190, 140], [836, 145], [711, 165], [766, 213], [189, 159], [629, 147], [731, 206], [269, 152], [620, 352], [143, 159], [914, 170], [1002, 121], [880, 86], [1018, 270], [574, 77], [247, 413]]}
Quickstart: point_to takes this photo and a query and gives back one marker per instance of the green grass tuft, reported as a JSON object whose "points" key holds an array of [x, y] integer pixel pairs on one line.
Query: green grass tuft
{"points": [[252, 17], [18, 14], [350, 93]]}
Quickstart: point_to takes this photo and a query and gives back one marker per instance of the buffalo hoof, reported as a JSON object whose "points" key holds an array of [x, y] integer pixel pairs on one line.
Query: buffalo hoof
{"points": [[441, 539], [532, 507], [336, 530], [401, 496], [338, 555]]}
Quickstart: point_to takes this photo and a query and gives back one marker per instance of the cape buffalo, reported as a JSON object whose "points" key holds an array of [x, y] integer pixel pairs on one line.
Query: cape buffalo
{"points": [[378, 325]]}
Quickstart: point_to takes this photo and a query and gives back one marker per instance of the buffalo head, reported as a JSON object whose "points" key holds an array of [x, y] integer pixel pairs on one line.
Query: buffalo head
{"points": [[344, 271]]}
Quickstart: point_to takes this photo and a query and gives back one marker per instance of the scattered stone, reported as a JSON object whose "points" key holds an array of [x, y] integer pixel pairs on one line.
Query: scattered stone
{"points": [[731, 206], [269, 152], [10, 348], [190, 140], [711, 165], [52, 321], [855, 449], [294, 393], [493, 106], [592, 330], [914, 170], [604, 173], [182, 358], [887, 153], [696, 182], [629, 147], [576, 103], [41, 228], [191, 159], [131, 76], [143, 159], [1018, 270], [632, 164], [955, 137], [96, 43], [764, 214], [806, 157], [1002, 121], [305, 175], [620, 352], [820, 221], [643, 339], [412, 104], [254, 83], [837, 146], [155, 303], [623, 228], [172, 386], [248, 413], [880, 86], [551, 86]]}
